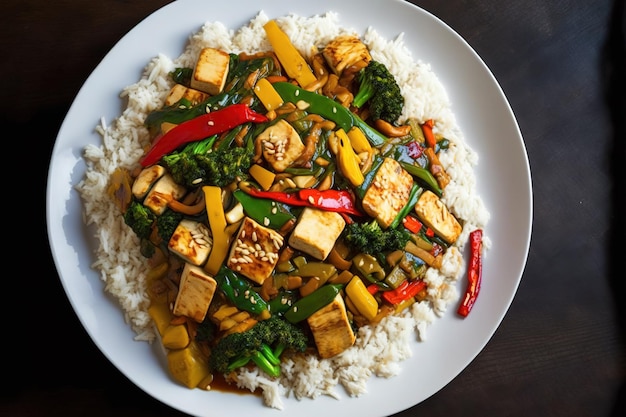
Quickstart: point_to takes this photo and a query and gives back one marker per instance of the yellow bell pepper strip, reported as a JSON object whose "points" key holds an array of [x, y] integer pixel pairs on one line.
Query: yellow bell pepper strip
{"points": [[217, 223], [362, 299], [347, 159], [263, 176], [306, 306], [329, 109], [358, 140], [198, 128], [406, 290], [474, 273], [290, 58], [340, 201], [267, 94]]}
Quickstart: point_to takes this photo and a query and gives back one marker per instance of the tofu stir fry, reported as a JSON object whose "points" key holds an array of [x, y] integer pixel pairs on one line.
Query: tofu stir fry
{"points": [[281, 206]]}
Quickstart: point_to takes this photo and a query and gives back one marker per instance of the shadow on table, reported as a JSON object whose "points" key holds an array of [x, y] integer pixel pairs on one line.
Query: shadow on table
{"points": [[615, 73]]}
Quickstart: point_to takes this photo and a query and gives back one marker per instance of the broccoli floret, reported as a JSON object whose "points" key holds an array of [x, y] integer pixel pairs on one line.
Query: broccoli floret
{"points": [[167, 222], [263, 344], [198, 164], [140, 219], [223, 166], [369, 237], [184, 165], [379, 88]]}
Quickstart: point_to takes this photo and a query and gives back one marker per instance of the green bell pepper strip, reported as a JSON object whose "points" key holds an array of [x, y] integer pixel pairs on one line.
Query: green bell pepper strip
{"points": [[282, 302], [306, 306], [239, 291], [260, 209], [329, 109], [424, 175], [414, 194]]}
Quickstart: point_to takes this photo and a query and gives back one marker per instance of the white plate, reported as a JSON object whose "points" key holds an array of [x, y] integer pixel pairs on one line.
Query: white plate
{"points": [[483, 114]]}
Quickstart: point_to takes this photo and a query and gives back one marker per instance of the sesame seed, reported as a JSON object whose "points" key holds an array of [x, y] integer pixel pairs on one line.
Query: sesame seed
{"points": [[211, 123], [266, 221]]}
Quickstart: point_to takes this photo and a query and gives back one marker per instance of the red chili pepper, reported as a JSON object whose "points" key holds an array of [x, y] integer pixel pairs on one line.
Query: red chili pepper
{"points": [[340, 201], [201, 127], [412, 224], [405, 291], [474, 273], [427, 128]]}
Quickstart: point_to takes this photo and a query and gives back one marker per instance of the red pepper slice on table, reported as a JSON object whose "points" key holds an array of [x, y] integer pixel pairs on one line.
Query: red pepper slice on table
{"points": [[405, 291], [474, 273], [201, 127], [340, 201]]}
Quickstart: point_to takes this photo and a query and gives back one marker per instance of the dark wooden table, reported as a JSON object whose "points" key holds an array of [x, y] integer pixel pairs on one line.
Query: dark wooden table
{"points": [[560, 350]]}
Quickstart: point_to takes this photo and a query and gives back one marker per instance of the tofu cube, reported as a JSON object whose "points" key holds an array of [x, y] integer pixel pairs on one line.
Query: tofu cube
{"points": [[191, 241], [434, 214], [195, 293], [316, 232], [388, 193], [146, 179], [281, 145], [331, 328], [179, 92], [210, 72], [254, 253], [344, 51], [164, 190]]}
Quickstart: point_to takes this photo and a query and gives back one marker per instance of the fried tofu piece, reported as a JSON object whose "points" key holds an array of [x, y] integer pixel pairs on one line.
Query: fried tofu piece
{"points": [[179, 92], [195, 293], [344, 51], [331, 328], [254, 253], [191, 241], [163, 191], [316, 232], [146, 179], [281, 145], [211, 70], [388, 193], [434, 214]]}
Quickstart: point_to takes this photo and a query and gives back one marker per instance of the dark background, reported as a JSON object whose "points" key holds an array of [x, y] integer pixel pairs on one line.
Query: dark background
{"points": [[560, 350]]}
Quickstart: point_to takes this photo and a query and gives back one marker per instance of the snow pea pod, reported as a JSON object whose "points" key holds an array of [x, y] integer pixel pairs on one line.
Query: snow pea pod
{"points": [[238, 290], [306, 306], [424, 175], [262, 209], [329, 109]]}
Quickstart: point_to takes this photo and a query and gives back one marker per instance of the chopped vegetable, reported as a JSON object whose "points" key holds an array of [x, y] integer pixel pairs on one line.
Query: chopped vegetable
{"points": [[199, 128], [292, 61], [380, 90], [239, 290], [306, 306], [329, 109], [474, 273], [331, 200], [406, 290]]}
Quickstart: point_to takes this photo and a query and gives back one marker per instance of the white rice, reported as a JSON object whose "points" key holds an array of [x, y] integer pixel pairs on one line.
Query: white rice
{"points": [[378, 350]]}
